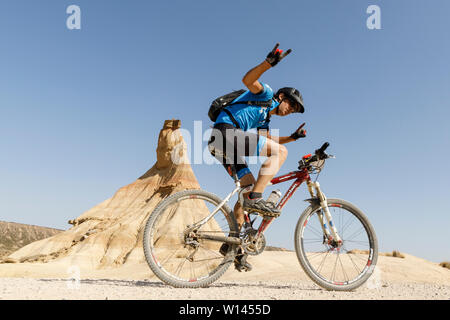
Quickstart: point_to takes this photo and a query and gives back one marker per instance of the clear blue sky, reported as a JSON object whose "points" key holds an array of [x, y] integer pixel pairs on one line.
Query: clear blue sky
{"points": [[81, 109]]}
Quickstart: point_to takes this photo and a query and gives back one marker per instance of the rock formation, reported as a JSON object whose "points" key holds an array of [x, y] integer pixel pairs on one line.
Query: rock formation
{"points": [[111, 233]]}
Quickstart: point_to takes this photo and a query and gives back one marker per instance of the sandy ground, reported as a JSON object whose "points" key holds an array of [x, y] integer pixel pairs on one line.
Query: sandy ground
{"points": [[276, 275], [22, 288]]}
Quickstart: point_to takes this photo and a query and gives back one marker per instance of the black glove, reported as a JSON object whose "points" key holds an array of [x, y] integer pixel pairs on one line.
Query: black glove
{"points": [[299, 133], [276, 55]]}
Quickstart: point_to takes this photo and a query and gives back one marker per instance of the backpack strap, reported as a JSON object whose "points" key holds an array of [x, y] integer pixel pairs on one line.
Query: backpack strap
{"points": [[232, 118], [263, 104]]}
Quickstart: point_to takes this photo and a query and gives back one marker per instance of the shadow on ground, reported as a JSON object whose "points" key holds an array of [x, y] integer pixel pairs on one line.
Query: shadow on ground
{"points": [[157, 284]]}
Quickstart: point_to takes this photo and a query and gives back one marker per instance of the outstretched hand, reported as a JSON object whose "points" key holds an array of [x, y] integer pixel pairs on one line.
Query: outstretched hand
{"points": [[299, 133], [276, 55]]}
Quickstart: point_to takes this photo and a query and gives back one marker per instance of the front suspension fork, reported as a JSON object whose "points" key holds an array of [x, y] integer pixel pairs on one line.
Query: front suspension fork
{"points": [[316, 192]]}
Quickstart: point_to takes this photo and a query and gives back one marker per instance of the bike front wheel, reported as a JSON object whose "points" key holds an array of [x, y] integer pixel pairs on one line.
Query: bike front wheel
{"points": [[185, 259], [341, 268]]}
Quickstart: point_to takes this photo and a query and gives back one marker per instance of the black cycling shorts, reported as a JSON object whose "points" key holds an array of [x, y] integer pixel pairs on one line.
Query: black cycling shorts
{"points": [[230, 146]]}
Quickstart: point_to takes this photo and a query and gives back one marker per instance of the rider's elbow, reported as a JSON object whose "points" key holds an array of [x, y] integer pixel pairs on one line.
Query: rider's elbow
{"points": [[245, 81]]}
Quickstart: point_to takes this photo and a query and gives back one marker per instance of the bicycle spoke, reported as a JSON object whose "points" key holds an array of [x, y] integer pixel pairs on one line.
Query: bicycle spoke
{"points": [[167, 259], [178, 269], [172, 211], [316, 254], [208, 259], [208, 270], [343, 269], [357, 241], [356, 233], [333, 274], [354, 264], [217, 254], [315, 231], [193, 270], [306, 241], [358, 256], [347, 225], [323, 262]]}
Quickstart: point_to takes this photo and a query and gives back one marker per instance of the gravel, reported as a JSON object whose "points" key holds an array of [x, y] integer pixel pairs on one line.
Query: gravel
{"points": [[111, 289]]}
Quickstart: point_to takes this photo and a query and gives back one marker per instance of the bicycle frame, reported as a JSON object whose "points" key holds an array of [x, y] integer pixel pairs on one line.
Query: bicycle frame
{"points": [[300, 177]]}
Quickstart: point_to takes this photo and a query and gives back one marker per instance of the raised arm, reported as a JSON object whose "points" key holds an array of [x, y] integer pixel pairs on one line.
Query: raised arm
{"points": [[251, 77]]}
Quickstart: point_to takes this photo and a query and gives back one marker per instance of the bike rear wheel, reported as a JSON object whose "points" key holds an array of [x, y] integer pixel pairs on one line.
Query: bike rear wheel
{"points": [[186, 260], [341, 268]]}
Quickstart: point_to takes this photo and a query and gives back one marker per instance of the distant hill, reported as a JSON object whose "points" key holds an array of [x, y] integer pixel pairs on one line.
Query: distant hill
{"points": [[14, 236], [270, 248]]}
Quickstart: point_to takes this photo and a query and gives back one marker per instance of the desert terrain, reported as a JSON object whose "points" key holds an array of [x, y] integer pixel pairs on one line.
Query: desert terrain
{"points": [[276, 275], [101, 255]]}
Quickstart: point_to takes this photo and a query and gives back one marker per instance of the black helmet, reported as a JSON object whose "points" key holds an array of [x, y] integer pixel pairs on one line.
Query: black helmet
{"points": [[294, 95]]}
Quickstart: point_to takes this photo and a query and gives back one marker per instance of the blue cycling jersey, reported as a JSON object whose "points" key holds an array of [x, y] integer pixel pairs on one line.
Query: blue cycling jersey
{"points": [[250, 117]]}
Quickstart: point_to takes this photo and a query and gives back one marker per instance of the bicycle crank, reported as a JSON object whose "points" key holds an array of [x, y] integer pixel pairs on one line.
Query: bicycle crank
{"points": [[253, 245]]}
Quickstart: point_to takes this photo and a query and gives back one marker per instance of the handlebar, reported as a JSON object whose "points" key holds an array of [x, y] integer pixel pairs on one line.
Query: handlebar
{"points": [[319, 154]]}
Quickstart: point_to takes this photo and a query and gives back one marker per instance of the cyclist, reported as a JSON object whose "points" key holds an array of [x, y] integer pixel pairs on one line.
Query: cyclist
{"points": [[231, 141]]}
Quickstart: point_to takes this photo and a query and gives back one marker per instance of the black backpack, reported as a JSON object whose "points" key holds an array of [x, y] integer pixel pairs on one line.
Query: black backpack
{"points": [[224, 101]]}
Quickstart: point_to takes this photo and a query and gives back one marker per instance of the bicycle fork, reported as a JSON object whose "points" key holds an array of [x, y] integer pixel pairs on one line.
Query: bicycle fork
{"points": [[333, 237]]}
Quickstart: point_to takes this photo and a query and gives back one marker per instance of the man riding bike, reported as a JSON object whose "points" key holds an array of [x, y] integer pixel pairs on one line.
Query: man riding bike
{"points": [[231, 141]]}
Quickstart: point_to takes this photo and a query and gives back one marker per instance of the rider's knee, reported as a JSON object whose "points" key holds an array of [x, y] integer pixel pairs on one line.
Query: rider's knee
{"points": [[283, 152]]}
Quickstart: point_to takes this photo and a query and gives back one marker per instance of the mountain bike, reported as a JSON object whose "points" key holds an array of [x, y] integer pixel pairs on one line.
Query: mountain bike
{"points": [[334, 241]]}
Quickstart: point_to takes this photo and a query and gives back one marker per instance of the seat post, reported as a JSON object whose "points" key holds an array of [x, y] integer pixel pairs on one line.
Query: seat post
{"points": [[237, 181]]}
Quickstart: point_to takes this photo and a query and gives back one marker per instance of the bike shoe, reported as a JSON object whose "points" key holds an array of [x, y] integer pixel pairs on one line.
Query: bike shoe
{"points": [[241, 264], [240, 261], [261, 206], [224, 249]]}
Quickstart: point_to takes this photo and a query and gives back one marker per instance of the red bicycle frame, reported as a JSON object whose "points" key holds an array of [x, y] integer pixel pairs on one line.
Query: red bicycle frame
{"points": [[300, 176]]}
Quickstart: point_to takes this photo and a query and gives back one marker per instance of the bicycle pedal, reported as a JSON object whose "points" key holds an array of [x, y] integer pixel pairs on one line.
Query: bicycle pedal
{"points": [[262, 213], [267, 215], [251, 210], [241, 264], [241, 268]]}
